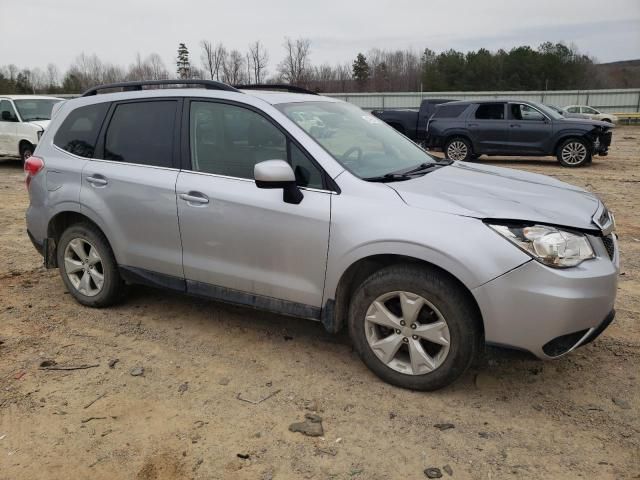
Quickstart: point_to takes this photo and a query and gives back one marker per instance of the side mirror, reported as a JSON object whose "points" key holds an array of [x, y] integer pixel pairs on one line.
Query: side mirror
{"points": [[278, 174], [7, 117]]}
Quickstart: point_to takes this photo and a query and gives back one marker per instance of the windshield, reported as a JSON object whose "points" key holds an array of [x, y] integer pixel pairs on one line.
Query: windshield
{"points": [[548, 110], [32, 109], [360, 142]]}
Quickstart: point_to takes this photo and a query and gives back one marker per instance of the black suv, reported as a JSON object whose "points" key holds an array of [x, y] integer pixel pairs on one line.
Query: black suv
{"points": [[467, 129]]}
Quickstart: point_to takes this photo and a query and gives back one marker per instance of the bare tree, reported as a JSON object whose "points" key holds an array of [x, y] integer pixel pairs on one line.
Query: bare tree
{"points": [[295, 65], [208, 57], [233, 68], [157, 68], [259, 58], [53, 76]]}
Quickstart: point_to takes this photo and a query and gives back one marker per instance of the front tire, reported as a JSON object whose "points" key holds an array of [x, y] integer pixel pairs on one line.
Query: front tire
{"points": [[574, 152], [458, 149], [414, 327], [26, 150], [88, 267]]}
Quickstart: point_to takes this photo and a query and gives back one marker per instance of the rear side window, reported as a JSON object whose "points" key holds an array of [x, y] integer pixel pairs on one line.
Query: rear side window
{"points": [[142, 133], [79, 131], [449, 111], [490, 111]]}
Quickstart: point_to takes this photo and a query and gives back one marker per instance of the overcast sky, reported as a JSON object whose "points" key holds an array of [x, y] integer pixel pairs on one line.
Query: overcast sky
{"points": [[36, 32]]}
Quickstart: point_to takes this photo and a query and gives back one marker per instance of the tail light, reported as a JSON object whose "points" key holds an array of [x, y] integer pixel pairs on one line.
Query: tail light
{"points": [[32, 167]]}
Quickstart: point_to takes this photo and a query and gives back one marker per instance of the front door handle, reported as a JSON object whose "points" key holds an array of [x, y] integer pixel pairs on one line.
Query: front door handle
{"points": [[97, 181], [473, 124], [195, 198], [515, 125]]}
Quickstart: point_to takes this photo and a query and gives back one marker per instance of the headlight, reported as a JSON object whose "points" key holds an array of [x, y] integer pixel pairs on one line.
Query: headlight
{"points": [[549, 245], [40, 132]]}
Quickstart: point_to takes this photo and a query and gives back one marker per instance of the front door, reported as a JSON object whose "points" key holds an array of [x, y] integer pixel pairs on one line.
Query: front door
{"points": [[529, 130], [8, 129], [241, 243]]}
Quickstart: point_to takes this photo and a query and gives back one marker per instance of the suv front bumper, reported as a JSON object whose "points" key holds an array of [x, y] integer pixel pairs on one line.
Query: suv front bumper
{"points": [[549, 311]]}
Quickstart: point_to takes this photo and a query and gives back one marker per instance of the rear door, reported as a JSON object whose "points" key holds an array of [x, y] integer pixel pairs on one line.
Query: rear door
{"points": [[242, 243], [129, 184], [488, 128], [529, 129]]}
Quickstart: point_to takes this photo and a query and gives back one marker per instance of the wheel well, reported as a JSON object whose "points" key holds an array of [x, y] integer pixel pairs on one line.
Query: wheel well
{"points": [[584, 138], [365, 267], [63, 220], [451, 137], [23, 144]]}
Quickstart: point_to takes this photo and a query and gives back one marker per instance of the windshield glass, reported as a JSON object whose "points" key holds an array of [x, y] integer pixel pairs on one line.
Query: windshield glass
{"points": [[360, 142], [30, 110], [547, 110]]}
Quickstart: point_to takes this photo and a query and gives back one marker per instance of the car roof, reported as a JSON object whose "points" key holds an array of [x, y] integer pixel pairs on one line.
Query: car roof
{"points": [[492, 100], [30, 97]]}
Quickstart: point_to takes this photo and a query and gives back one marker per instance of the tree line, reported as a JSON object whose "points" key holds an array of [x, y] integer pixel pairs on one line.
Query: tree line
{"points": [[550, 66]]}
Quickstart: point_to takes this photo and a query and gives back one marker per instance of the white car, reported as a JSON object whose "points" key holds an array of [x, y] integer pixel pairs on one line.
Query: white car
{"points": [[592, 113], [23, 119]]}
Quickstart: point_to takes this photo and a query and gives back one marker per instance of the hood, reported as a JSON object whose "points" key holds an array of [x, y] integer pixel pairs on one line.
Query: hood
{"points": [[585, 121], [483, 191], [41, 123]]}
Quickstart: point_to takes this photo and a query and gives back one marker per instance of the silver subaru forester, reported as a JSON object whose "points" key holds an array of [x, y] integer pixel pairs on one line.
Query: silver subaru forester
{"points": [[307, 206]]}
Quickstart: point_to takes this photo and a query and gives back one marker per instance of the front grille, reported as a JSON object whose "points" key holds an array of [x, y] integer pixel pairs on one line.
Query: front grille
{"points": [[610, 245]]}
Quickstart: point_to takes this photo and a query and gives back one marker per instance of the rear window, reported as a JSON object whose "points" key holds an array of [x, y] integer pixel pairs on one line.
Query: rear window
{"points": [[449, 111], [142, 133], [490, 111], [79, 131]]}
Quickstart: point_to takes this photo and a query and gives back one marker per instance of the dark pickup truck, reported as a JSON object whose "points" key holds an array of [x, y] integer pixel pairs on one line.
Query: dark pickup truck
{"points": [[410, 121]]}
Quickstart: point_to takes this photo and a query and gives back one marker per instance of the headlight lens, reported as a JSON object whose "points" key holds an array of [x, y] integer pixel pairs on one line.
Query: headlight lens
{"points": [[549, 245]]}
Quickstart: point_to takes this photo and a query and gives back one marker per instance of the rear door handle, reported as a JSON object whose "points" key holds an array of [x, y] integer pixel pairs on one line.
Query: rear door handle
{"points": [[515, 125], [195, 198], [97, 181]]}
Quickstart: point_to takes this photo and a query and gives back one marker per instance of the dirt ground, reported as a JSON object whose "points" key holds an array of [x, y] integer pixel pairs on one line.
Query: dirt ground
{"points": [[189, 414]]}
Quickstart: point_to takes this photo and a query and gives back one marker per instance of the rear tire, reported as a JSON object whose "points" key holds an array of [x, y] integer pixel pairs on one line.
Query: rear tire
{"points": [[88, 267], [441, 311], [458, 148], [574, 152]]}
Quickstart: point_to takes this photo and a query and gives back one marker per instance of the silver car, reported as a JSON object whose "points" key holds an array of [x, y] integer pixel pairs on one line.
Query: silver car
{"points": [[227, 194]]}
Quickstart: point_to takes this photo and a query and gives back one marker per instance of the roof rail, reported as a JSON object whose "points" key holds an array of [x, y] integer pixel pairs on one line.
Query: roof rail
{"points": [[275, 86], [138, 85]]}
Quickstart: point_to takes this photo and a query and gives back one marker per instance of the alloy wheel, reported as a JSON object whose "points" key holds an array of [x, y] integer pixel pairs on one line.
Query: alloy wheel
{"points": [[407, 333], [574, 153], [83, 267], [457, 150]]}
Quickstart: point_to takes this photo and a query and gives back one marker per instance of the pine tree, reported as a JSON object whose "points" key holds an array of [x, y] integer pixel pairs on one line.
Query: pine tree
{"points": [[361, 70], [184, 67]]}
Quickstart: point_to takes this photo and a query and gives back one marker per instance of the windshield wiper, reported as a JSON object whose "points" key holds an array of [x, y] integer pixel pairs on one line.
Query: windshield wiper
{"points": [[389, 177]]}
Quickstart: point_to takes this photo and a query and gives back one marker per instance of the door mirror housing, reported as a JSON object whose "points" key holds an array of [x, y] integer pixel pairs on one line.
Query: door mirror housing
{"points": [[7, 117], [278, 174]]}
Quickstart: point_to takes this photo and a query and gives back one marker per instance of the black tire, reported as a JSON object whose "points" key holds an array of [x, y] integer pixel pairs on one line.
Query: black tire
{"points": [[607, 120], [26, 150], [574, 143], [113, 286], [442, 292], [461, 145]]}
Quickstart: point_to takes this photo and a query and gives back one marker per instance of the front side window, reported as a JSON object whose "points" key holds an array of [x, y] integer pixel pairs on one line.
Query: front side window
{"points": [[7, 113], [229, 140], [142, 133], [38, 109], [79, 131], [357, 140], [490, 111], [521, 111], [573, 109]]}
